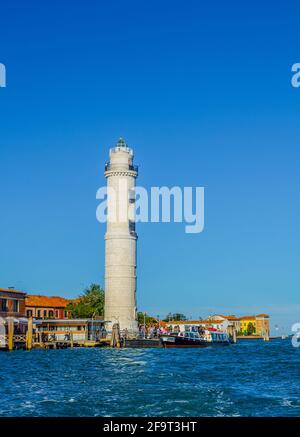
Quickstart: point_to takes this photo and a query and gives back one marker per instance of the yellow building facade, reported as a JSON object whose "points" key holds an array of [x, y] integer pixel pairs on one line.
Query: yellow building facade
{"points": [[255, 325]]}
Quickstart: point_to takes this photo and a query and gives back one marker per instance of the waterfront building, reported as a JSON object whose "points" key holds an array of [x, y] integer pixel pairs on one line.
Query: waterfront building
{"points": [[255, 325], [248, 325], [47, 307], [77, 330], [232, 325], [12, 303], [12, 316], [120, 240], [263, 325]]}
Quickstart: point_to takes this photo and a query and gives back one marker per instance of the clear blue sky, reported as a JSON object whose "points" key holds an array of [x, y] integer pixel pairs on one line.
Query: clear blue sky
{"points": [[202, 92]]}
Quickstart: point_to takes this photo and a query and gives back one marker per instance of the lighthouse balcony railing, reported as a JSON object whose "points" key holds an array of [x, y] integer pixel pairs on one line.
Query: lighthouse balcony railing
{"points": [[130, 167]]}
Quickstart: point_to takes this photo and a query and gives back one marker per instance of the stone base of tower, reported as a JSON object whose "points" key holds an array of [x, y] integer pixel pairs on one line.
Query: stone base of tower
{"points": [[130, 328]]}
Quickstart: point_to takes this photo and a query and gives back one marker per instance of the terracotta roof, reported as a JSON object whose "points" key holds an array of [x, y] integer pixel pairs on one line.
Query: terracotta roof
{"points": [[163, 323], [191, 322], [46, 301], [231, 317], [182, 322], [253, 317], [215, 320], [11, 290]]}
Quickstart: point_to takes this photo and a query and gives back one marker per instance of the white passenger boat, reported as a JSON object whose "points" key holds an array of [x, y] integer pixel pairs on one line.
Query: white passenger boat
{"points": [[195, 339], [183, 339], [219, 338]]}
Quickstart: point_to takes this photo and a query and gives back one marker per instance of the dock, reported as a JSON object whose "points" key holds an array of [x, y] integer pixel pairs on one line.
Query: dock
{"points": [[259, 337]]}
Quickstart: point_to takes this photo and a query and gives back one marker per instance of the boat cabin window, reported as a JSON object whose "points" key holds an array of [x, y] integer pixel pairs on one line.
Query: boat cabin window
{"points": [[191, 335]]}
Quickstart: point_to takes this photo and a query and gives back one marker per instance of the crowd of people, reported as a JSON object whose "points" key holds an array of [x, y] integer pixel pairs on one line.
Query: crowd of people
{"points": [[152, 330]]}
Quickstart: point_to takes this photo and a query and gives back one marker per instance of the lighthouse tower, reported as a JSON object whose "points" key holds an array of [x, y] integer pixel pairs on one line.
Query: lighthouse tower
{"points": [[120, 240]]}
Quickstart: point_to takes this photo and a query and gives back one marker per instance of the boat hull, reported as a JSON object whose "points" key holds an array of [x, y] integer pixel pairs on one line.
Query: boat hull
{"points": [[218, 343], [166, 345], [175, 342]]}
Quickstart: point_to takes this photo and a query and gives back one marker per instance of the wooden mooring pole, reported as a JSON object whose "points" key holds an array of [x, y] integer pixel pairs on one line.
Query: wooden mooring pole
{"points": [[29, 335], [115, 337], [234, 335], [10, 326]]}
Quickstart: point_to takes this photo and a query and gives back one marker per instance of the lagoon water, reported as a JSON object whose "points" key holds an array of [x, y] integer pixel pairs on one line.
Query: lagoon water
{"points": [[247, 379]]}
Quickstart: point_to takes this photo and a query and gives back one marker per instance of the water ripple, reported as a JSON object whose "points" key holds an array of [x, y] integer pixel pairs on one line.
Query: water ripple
{"points": [[247, 379]]}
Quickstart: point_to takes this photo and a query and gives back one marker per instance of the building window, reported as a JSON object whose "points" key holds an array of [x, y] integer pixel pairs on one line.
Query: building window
{"points": [[4, 305], [56, 313], [15, 306], [51, 314], [29, 313], [45, 313], [66, 314], [131, 226], [38, 314]]}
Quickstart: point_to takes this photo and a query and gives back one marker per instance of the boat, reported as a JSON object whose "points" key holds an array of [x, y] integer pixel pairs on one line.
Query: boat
{"points": [[193, 338], [183, 339], [214, 337]]}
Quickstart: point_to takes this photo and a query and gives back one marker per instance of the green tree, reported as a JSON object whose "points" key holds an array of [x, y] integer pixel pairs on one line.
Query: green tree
{"points": [[251, 329], [177, 317], [142, 318], [89, 304], [168, 317]]}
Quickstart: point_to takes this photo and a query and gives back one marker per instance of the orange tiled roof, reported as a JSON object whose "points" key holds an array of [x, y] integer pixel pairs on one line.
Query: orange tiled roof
{"points": [[46, 301], [262, 315], [191, 322], [247, 318], [163, 323], [231, 317], [11, 290], [182, 322]]}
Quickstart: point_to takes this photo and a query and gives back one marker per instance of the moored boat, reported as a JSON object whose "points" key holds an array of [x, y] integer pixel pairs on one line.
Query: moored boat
{"points": [[208, 337], [183, 339], [214, 337]]}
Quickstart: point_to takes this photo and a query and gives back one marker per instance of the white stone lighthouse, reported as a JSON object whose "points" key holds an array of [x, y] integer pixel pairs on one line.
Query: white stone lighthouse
{"points": [[120, 240]]}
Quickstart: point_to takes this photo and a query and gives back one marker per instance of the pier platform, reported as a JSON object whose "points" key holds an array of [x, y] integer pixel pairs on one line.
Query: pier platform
{"points": [[63, 344]]}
